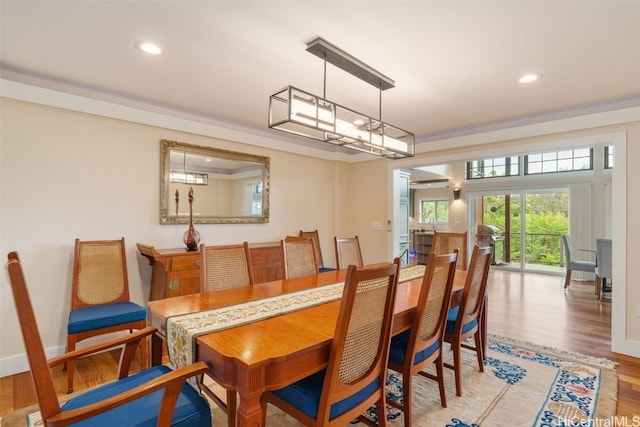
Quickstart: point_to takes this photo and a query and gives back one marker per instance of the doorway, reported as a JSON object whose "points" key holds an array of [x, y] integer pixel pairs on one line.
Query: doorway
{"points": [[524, 226], [615, 215]]}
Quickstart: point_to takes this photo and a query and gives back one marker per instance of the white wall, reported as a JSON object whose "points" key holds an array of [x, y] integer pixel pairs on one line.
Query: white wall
{"points": [[622, 128], [66, 175]]}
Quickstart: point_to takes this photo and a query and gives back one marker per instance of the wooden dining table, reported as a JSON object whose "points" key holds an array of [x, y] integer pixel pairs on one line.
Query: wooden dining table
{"points": [[274, 352]]}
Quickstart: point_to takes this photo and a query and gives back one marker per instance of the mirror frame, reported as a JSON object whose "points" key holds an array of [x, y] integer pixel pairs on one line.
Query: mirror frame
{"points": [[165, 168]]}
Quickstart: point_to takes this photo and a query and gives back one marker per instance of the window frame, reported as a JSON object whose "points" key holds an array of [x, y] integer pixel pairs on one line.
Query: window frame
{"points": [[608, 157], [436, 201], [557, 160], [511, 167]]}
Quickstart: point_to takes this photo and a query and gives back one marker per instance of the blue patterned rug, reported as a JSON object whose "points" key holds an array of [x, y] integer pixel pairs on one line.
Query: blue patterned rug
{"points": [[523, 385]]}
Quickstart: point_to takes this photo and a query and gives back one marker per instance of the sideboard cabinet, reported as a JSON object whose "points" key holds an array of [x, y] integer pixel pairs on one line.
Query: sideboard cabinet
{"points": [[176, 272]]}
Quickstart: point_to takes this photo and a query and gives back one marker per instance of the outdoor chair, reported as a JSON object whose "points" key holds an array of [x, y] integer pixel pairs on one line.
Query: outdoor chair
{"points": [[572, 263], [604, 268]]}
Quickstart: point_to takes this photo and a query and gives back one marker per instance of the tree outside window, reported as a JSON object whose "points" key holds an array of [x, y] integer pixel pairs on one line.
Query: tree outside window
{"points": [[434, 211]]}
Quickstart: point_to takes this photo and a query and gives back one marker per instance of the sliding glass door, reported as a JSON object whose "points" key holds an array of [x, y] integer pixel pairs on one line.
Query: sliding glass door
{"points": [[524, 226]]}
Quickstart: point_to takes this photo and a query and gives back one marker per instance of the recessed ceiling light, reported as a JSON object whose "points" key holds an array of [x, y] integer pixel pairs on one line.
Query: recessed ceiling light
{"points": [[150, 48], [528, 78]]}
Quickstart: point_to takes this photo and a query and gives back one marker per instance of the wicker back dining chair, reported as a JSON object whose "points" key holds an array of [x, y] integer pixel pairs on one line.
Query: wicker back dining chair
{"points": [[156, 396], [348, 252], [463, 321], [315, 238], [100, 301], [224, 267], [355, 376], [445, 242], [298, 257], [416, 349]]}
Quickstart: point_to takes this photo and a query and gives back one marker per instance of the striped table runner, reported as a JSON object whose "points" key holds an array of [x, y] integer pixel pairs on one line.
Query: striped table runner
{"points": [[183, 329]]}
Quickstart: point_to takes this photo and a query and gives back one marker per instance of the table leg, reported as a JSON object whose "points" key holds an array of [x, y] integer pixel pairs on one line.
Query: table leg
{"points": [[251, 384]]}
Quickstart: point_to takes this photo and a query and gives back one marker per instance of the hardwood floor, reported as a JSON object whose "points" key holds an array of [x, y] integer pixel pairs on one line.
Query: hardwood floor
{"points": [[533, 307], [529, 307]]}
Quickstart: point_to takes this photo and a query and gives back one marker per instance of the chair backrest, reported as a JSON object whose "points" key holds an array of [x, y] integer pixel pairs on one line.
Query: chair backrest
{"points": [[475, 285], [298, 257], [99, 273], [40, 373], [433, 303], [348, 252], [568, 248], [360, 346], [313, 235], [227, 266], [445, 242], [604, 253]]}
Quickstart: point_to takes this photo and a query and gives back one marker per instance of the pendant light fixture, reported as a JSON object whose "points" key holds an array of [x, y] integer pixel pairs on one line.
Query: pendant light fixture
{"points": [[298, 112]]}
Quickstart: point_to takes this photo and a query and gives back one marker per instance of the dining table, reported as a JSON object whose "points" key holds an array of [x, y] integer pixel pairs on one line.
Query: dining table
{"points": [[274, 351]]}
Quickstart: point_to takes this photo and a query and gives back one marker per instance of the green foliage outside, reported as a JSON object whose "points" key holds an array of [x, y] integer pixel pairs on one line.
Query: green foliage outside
{"points": [[547, 218], [435, 211]]}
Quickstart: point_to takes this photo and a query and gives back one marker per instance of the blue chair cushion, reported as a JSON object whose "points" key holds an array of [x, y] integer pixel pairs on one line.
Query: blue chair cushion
{"points": [[191, 409], [451, 322], [398, 349], [305, 395], [104, 315]]}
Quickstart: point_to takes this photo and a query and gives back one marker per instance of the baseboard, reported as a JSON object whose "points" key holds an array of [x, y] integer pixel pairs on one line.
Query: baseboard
{"points": [[16, 364], [627, 347]]}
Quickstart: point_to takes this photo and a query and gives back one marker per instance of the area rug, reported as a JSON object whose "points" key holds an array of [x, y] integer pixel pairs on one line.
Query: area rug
{"points": [[523, 384]]}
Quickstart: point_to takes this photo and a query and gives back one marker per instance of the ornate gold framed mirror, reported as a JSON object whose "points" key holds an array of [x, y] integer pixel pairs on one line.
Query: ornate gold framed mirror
{"points": [[229, 187]]}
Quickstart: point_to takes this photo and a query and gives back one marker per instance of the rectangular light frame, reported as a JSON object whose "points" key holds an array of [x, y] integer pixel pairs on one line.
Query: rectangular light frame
{"points": [[298, 112]]}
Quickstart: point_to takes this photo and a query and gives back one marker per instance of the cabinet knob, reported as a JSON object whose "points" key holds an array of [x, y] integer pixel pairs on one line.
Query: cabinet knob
{"points": [[197, 262], [174, 285]]}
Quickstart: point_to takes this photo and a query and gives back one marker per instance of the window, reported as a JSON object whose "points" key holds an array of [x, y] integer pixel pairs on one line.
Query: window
{"points": [[434, 211], [559, 161], [252, 198], [491, 168], [608, 157], [256, 199], [194, 178]]}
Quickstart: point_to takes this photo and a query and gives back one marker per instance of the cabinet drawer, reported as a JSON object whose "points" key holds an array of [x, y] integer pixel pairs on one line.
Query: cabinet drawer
{"points": [[186, 262], [184, 282]]}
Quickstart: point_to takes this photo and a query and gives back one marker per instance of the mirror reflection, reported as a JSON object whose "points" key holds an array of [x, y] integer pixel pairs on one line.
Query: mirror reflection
{"points": [[228, 186]]}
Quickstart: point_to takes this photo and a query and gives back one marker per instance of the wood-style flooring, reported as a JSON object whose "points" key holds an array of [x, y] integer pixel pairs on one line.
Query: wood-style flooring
{"points": [[533, 307], [529, 307]]}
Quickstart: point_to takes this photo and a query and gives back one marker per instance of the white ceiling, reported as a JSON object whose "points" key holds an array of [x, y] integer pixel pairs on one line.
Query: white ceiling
{"points": [[455, 63]]}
